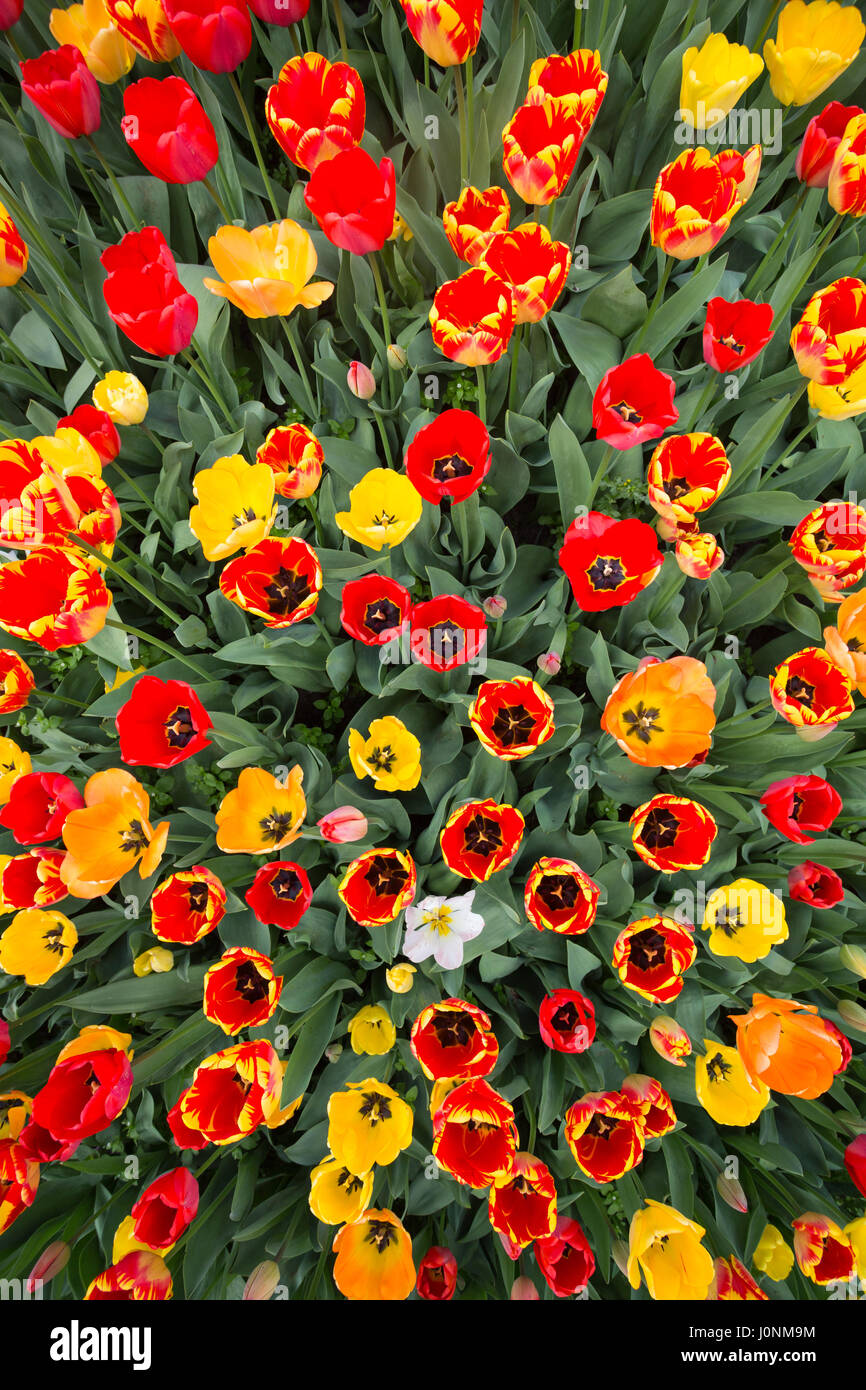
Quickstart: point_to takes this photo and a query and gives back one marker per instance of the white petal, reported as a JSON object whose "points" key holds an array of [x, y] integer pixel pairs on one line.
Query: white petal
{"points": [[418, 945], [448, 951]]}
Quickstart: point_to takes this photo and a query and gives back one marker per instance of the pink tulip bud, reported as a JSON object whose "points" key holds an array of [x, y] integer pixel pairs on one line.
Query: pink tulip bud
{"points": [[261, 1284], [343, 825], [524, 1291], [362, 382], [550, 663], [495, 606], [334, 1052], [731, 1191], [52, 1261]]}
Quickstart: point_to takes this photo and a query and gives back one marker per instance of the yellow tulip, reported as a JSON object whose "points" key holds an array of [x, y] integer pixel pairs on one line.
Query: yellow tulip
{"points": [[814, 44], [383, 508], [856, 1233], [14, 762], [89, 28], [725, 1089], [666, 1247], [371, 1031], [157, 961], [399, 978], [368, 1123], [744, 920], [262, 814], [266, 271], [336, 1195], [773, 1256], [235, 506], [37, 944], [391, 755], [122, 397], [714, 78]]}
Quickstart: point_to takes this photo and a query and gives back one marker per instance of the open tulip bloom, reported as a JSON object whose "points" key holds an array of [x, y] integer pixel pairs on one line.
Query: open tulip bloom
{"points": [[432, 660]]}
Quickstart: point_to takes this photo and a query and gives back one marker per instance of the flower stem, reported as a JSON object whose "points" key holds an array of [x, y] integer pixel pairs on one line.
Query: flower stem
{"points": [[659, 296], [461, 117], [578, 22], [313, 509], [386, 443], [122, 200], [291, 338], [200, 369], [324, 631], [171, 652], [341, 29], [114, 568], [774, 9], [251, 132], [217, 199], [607, 459], [755, 278], [515, 358], [386, 322], [482, 394]]}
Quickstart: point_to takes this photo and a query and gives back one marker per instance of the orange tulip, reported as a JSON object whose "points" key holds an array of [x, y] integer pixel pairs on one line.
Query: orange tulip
{"points": [[374, 1258], [110, 835], [662, 714], [787, 1046]]}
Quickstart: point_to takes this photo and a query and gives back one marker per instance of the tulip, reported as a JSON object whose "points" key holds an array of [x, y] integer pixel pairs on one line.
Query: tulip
{"points": [[361, 381], [316, 109], [731, 1191], [541, 144], [821, 141], [474, 219], [447, 30], [550, 663], [715, 76], [215, 35], [670, 1040], [283, 12], [14, 253], [853, 1015], [397, 357], [343, 826], [156, 961], [268, 270], [122, 397], [399, 978], [855, 1162], [167, 128], [10, 13], [846, 189], [64, 90], [853, 958], [495, 606], [814, 44], [144, 25], [353, 200], [693, 203], [472, 317], [666, 1247], [262, 1283], [52, 1261], [144, 296], [90, 29]]}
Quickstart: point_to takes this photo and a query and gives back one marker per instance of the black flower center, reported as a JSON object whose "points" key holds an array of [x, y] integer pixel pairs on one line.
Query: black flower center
{"points": [[801, 691], [728, 920], [627, 413], [133, 839], [566, 1018], [275, 825], [453, 1029], [250, 985], [450, 466], [602, 1126], [731, 342], [386, 877], [381, 1234], [677, 487], [718, 1068], [558, 891], [642, 722], [179, 728], [286, 885], [381, 615], [647, 949], [375, 1107], [513, 724], [606, 573], [447, 640], [382, 759], [660, 829], [198, 896], [482, 835], [287, 591]]}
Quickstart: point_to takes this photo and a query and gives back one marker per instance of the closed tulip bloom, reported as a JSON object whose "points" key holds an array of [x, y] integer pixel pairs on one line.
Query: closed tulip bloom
{"points": [[167, 127], [533, 264], [353, 200], [90, 28], [670, 1040], [787, 1046], [361, 381], [14, 254], [541, 144], [733, 1281], [295, 457], [821, 141], [122, 397], [693, 204], [725, 1088], [846, 189], [283, 12], [472, 317], [447, 30], [578, 79], [10, 13], [374, 1259], [214, 34], [473, 220], [166, 1207], [267, 271], [666, 1248], [64, 90], [773, 1256], [316, 109], [144, 296], [814, 44], [144, 25], [383, 508], [715, 76], [437, 1275]]}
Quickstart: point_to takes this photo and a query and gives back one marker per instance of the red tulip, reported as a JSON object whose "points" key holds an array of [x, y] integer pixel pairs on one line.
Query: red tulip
{"points": [[735, 333], [283, 12], [167, 127], [820, 143], [437, 1275], [144, 296], [214, 34], [64, 90], [353, 200], [634, 402], [10, 12], [799, 804], [815, 884], [855, 1162], [98, 429], [162, 723]]}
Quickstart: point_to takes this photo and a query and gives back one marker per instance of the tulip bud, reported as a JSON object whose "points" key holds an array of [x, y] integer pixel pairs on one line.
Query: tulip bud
{"points": [[399, 978], [397, 357], [156, 961], [52, 1261], [261, 1284], [343, 825], [495, 606], [334, 1052], [669, 1040], [550, 663], [731, 1191], [362, 382], [853, 1015], [699, 555], [524, 1291], [853, 958], [122, 397], [619, 1250]]}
